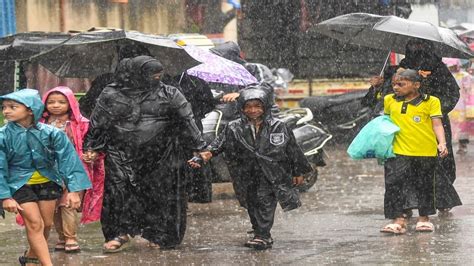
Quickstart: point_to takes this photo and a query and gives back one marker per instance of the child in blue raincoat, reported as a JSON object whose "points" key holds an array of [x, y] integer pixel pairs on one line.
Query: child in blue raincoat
{"points": [[35, 161]]}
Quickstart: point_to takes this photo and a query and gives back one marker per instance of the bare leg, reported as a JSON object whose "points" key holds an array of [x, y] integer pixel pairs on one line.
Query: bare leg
{"points": [[35, 233], [47, 208]]}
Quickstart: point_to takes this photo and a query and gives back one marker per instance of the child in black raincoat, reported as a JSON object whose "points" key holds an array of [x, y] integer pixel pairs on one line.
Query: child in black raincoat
{"points": [[264, 160]]}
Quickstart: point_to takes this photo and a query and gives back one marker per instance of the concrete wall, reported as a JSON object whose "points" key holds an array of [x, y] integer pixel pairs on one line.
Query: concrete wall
{"points": [[149, 16]]}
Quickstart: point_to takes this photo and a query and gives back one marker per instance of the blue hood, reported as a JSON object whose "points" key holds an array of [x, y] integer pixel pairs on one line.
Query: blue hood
{"points": [[28, 97]]}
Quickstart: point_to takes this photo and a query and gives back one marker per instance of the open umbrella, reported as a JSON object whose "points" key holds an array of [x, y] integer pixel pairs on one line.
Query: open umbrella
{"points": [[218, 69], [391, 33], [90, 54], [22, 46]]}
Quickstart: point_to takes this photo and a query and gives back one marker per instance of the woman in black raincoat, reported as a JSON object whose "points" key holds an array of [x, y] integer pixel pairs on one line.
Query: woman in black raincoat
{"points": [[199, 95], [264, 160], [438, 82], [145, 128]]}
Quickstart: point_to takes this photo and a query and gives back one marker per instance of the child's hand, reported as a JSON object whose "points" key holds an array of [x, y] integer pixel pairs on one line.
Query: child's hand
{"points": [[206, 156], [195, 162], [73, 200], [298, 180], [443, 150], [89, 156], [10, 205]]}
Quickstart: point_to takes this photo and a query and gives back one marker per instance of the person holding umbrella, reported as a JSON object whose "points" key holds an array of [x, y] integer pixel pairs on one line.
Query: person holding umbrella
{"points": [[145, 129], [437, 81]]}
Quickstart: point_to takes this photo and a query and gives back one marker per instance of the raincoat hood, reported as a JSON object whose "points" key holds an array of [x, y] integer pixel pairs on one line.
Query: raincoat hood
{"points": [[419, 55], [230, 51], [28, 97], [136, 72], [255, 93], [73, 105]]}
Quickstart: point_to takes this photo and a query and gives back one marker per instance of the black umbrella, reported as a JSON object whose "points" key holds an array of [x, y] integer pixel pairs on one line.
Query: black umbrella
{"points": [[22, 46], [391, 33], [90, 54]]}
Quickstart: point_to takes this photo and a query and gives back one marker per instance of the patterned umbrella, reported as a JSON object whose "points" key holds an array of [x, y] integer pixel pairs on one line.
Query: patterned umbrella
{"points": [[218, 69]]}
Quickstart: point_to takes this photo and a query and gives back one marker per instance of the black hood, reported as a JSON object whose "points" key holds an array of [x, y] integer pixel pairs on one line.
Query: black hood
{"points": [[255, 93], [230, 51], [136, 72], [419, 55]]}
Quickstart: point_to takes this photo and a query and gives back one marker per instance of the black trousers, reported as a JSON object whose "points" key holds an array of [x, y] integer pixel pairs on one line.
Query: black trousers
{"points": [[409, 184], [262, 204]]}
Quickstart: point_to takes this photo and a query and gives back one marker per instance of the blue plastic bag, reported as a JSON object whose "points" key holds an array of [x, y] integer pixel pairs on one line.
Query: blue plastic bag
{"points": [[375, 140]]}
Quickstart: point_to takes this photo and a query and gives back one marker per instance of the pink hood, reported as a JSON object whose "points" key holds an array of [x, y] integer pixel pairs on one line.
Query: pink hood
{"points": [[79, 124], [451, 61]]}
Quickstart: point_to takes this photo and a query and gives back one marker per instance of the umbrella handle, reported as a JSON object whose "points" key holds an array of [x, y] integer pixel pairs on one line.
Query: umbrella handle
{"points": [[181, 78], [385, 64]]}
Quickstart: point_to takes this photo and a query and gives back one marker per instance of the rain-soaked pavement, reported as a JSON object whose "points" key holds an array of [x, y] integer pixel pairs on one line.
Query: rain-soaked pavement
{"points": [[338, 224]]}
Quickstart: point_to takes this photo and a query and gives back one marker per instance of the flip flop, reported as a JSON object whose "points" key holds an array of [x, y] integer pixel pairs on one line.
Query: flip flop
{"points": [[424, 227], [23, 260], [60, 246], [154, 245], [72, 248], [123, 243], [395, 229]]}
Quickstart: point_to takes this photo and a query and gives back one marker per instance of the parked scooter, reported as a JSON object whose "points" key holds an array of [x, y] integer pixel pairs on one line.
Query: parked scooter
{"points": [[342, 115]]}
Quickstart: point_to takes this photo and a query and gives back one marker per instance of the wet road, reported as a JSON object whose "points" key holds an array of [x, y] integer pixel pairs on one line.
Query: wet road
{"points": [[338, 224]]}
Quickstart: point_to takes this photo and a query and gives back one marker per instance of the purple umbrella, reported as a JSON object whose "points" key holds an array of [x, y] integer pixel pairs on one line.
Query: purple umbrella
{"points": [[218, 69]]}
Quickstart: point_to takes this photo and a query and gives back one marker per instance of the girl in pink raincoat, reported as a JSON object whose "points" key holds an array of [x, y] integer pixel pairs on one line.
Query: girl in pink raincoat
{"points": [[462, 116], [62, 111]]}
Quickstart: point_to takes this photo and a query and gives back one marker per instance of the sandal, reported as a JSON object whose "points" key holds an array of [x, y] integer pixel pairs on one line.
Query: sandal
{"points": [[259, 243], [424, 227], [60, 246], [24, 260], [123, 243], [393, 228], [154, 245], [262, 244], [72, 248]]}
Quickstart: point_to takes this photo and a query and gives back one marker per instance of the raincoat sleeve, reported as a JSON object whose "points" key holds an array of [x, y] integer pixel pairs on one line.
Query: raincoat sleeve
{"points": [[447, 91], [299, 163], [4, 189], [183, 108], [217, 145], [96, 137], [69, 164]]}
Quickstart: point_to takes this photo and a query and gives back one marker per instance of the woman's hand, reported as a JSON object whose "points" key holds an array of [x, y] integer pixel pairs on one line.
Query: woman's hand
{"points": [[298, 180], [73, 200], [230, 97], [376, 81], [89, 156], [443, 150], [10, 205]]}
